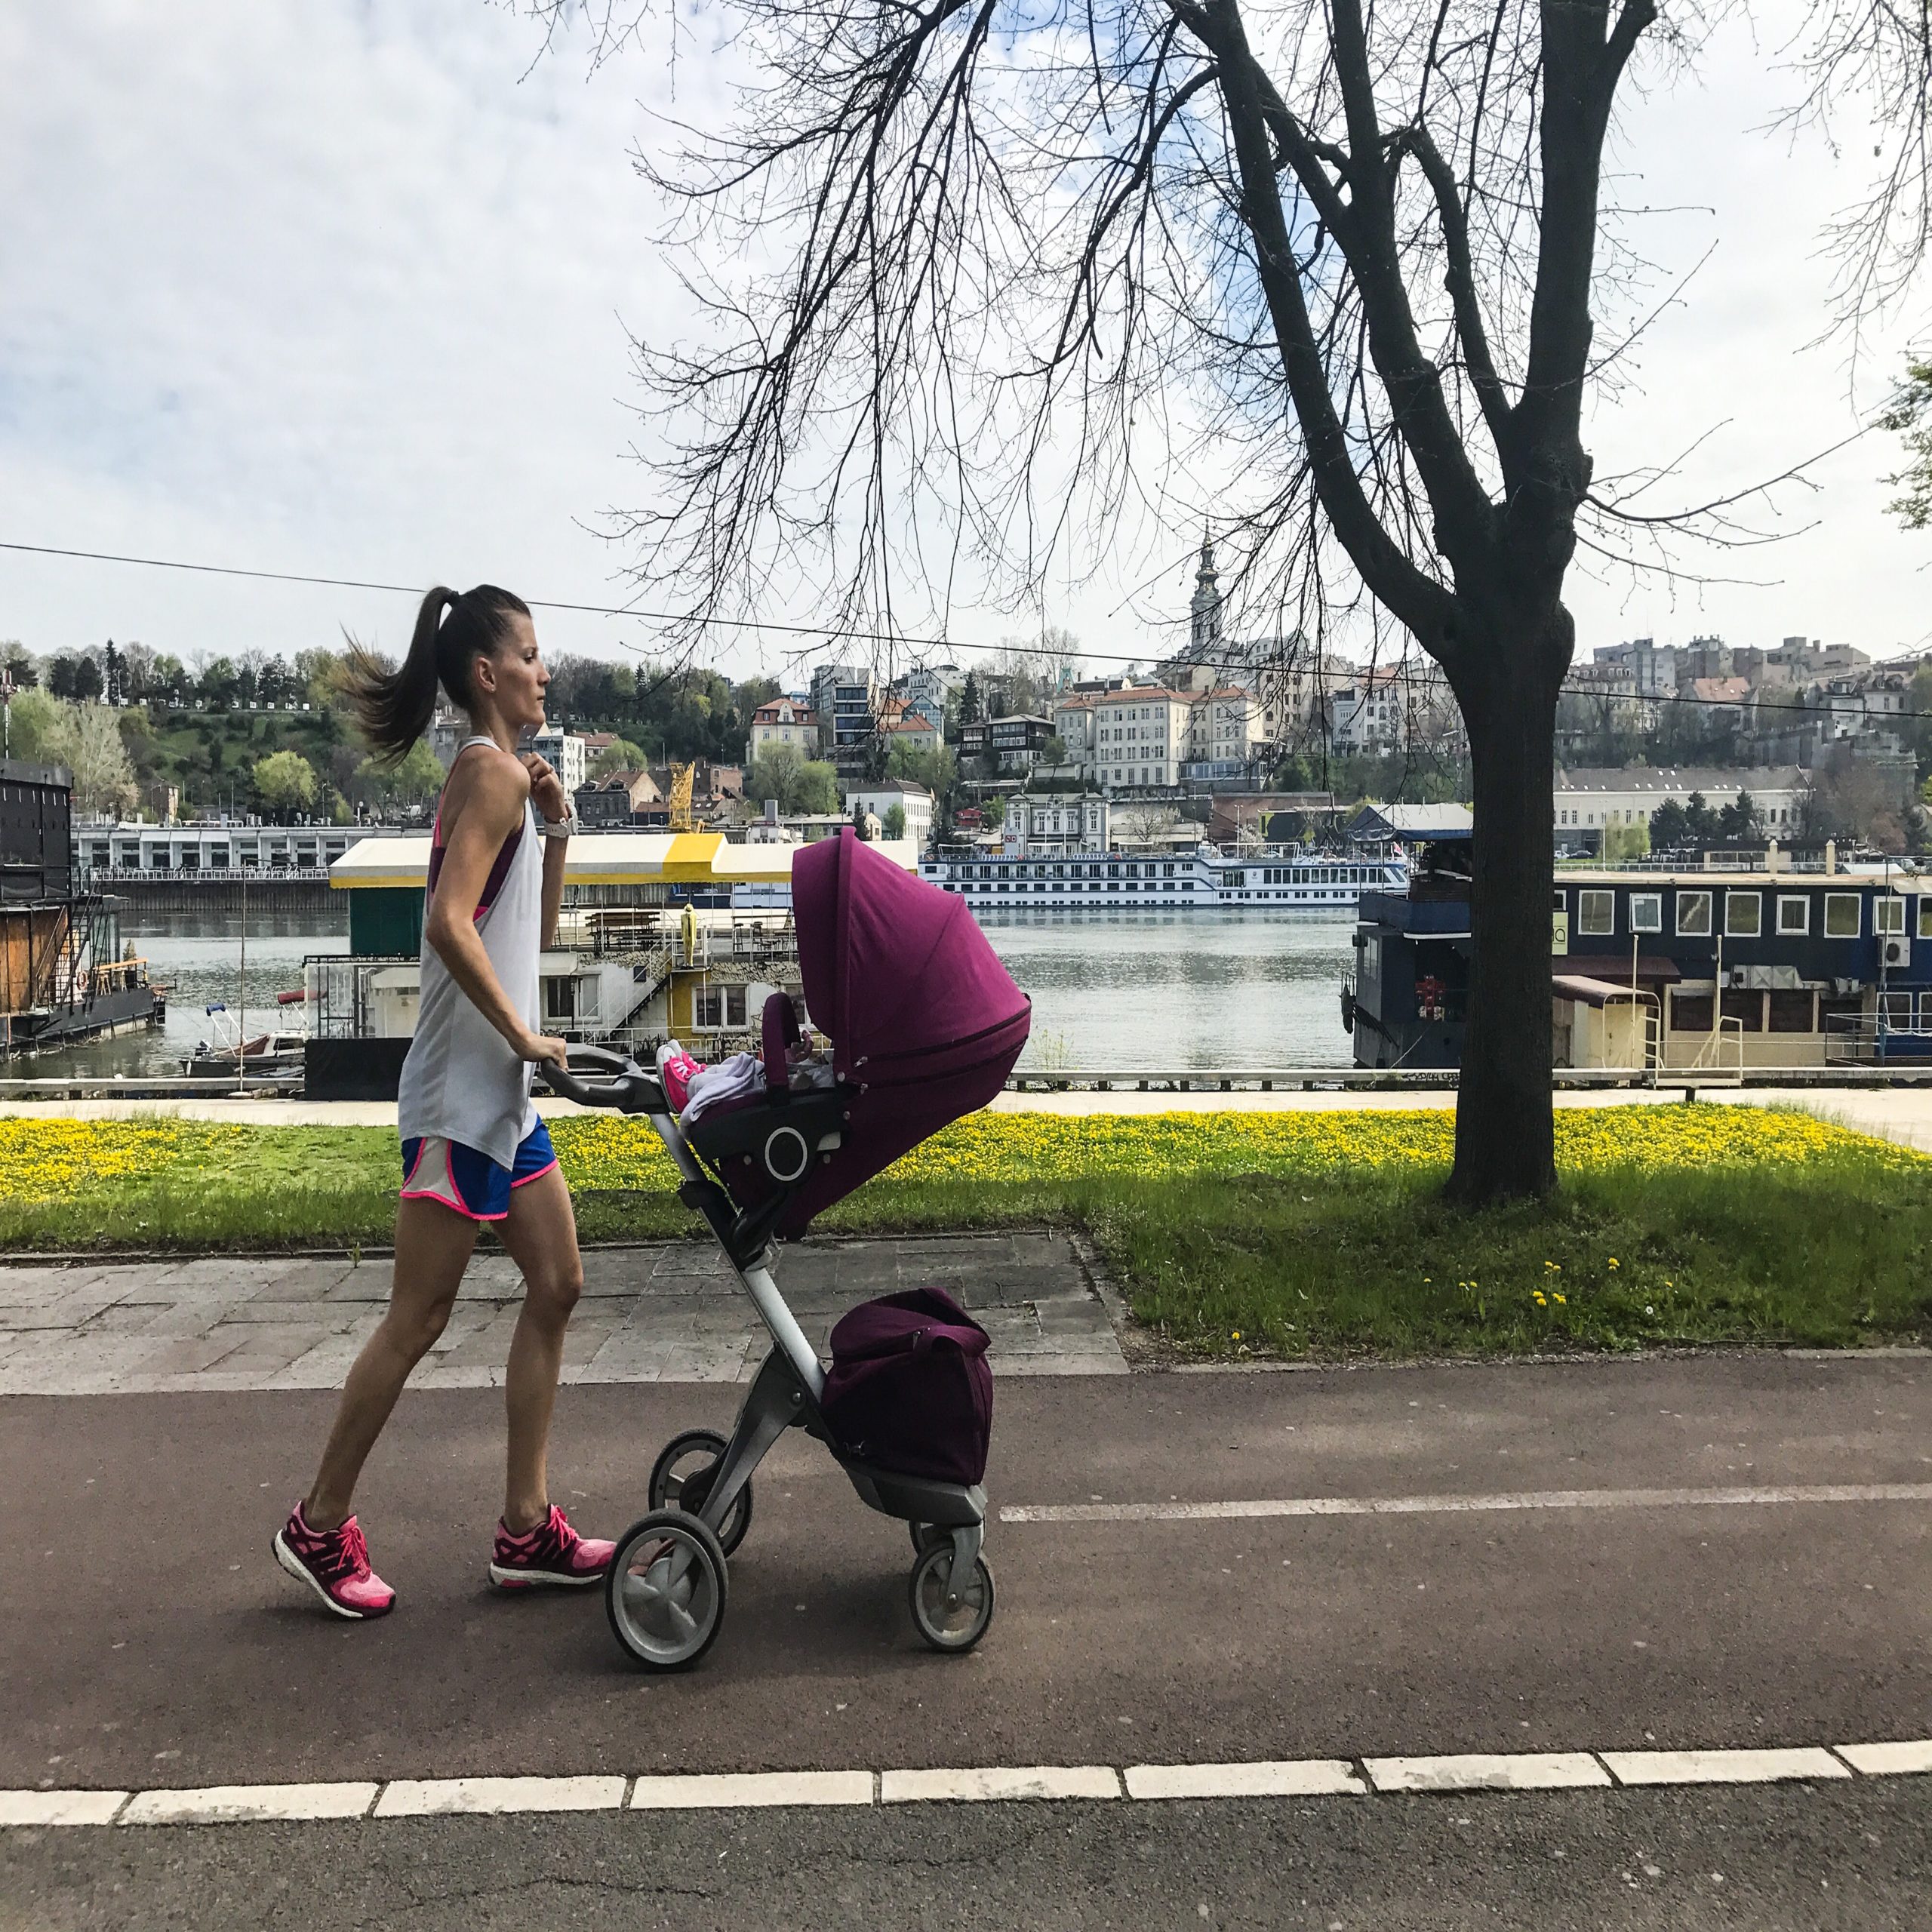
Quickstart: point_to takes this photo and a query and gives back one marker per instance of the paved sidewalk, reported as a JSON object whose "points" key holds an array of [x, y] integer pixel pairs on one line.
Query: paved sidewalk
{"points": [[671, 1312]]}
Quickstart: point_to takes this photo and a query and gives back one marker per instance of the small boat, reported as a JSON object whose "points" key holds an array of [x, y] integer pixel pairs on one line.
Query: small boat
{"points": [[277, 1054]]}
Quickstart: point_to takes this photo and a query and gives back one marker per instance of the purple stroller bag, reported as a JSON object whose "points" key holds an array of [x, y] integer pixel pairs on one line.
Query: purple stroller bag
{"points": [[909, 1388]]}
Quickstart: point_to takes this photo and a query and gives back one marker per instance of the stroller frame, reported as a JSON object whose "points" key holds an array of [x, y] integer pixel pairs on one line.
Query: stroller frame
{"points": [[785, 1394]]}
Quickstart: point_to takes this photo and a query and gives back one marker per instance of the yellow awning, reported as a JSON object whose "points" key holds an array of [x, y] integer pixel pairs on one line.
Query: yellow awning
{"points": [[611, 858]]}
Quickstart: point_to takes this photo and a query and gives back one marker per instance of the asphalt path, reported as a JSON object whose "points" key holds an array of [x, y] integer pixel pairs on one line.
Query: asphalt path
{"points": [[145, 1638]]}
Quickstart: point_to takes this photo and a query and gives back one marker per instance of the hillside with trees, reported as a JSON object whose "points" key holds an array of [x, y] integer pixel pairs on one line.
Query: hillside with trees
{"points": [[270, 733]]}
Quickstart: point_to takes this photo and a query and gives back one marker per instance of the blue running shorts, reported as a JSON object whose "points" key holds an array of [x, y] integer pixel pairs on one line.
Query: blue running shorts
{"points": [[467, 1179]]}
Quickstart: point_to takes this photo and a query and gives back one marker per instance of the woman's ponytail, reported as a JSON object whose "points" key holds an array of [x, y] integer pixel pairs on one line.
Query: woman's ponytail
{"points": [[452, 629]]}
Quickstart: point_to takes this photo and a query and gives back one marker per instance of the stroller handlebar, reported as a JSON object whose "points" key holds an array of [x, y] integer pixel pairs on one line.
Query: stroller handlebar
{"points": [[595, 1077]]}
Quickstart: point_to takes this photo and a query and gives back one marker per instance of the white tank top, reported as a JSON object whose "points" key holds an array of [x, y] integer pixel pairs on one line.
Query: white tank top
{"points": [[461, 1080]]}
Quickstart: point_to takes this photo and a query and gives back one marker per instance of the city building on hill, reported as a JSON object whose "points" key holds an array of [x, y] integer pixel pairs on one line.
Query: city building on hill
{"points": [[566, 754], [1589, 802], [1226, 739], [1014, 743], [927, 689], [915, 801], [1074, 725], [845, 700], [913, 729], [784, 720], [616, 798], [1141, 737]]}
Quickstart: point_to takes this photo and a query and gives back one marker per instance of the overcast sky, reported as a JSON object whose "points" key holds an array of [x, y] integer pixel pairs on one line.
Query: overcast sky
{"points": [[344, 288]]}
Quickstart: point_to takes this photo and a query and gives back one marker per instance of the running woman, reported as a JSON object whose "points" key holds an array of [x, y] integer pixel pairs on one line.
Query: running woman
{"points": [[473, 1149]]}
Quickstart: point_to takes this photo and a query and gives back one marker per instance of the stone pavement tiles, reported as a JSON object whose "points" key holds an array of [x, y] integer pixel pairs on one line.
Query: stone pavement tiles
{"points": [[669, 1312]]}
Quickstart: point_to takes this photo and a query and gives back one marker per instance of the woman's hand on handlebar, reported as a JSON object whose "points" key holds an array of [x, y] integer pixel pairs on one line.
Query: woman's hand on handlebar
{"points": [[541, 1047]]}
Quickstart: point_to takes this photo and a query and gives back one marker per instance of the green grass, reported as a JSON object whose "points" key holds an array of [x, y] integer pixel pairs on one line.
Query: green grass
{"points": [[1228, 1234]]}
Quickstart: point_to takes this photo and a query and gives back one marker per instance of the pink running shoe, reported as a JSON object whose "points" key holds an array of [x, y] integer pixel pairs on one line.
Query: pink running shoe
{"points": [[335, 1564], [552, 1552], [677, 1070]]}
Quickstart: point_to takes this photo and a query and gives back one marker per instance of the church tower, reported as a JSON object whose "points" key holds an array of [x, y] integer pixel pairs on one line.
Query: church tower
{"points": [[1206, 603]]}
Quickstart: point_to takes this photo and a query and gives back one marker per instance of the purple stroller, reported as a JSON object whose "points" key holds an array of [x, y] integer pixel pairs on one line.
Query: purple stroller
{"points": [[925, 1025]]}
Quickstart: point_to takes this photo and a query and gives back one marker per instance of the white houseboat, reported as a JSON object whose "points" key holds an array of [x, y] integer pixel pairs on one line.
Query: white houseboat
{"points": [[1281, 878]]}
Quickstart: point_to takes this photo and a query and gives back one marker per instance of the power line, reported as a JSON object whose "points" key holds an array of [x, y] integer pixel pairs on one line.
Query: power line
{"points": [[851, 635]]}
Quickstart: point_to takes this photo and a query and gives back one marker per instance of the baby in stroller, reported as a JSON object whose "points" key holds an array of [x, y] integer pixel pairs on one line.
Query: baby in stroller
{"points": [[925, 1024], [694, 1088]]}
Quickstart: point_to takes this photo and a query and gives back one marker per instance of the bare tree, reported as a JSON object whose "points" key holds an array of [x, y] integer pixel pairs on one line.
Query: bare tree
{"points": [[1149, 822], [1334, 266]]}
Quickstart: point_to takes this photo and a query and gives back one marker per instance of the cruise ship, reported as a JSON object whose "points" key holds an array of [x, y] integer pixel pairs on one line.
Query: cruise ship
{"points": [[1282, 878]]}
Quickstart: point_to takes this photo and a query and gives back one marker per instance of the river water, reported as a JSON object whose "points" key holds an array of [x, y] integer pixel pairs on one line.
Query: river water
{"points": [[1111, 990]]}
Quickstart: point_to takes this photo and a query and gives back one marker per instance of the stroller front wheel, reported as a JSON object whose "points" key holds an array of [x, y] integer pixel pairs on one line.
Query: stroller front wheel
{"points": [[681, 1479], [950, 1619], [666, 1590]]}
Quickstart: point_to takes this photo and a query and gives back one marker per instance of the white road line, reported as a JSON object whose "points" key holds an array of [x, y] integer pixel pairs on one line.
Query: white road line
{"points": [[1889, 1760], [413, 1798], [1303, 1777], [1722, 1767], [424, 1797], [248, 1804], [972, 1786], [59, 1807], [1523, 1770], [1459, 1505], [718, 1791]]}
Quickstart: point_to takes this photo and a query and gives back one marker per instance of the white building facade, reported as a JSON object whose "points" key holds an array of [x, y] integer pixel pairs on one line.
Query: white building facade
{"points": [[106, 852], [1057, 822], [879, 799], [1141, 737], [1591, 800], [566, 754]]}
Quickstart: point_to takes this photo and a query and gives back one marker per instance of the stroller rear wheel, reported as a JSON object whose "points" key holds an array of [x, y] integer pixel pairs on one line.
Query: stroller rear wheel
{"points": [[949, 1619], [665, 1590], [681, 1479]]}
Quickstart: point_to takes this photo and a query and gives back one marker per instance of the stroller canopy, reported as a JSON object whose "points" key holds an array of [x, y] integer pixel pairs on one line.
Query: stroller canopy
{"points": [[923, 1019]]}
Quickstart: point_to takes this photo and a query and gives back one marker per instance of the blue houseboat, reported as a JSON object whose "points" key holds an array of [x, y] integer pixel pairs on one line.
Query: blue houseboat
{"points": [[1670, 971]]}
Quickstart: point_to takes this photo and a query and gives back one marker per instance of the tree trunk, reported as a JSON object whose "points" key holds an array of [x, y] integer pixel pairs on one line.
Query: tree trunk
{"points": [[1505, 1133]]}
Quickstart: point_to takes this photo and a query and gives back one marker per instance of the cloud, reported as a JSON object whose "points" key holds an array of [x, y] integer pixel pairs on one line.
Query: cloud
{"points": [[344, 288]]}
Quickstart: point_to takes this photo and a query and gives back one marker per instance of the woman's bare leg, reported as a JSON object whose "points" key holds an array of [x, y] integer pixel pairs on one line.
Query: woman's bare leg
{"points": [[541, 1237], [433, 1245]]}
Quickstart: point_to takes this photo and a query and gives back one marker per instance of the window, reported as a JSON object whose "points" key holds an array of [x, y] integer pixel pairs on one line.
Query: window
{"points": [[1596, 914], [1794, 916], [560, 999], [1647, 912], [1690, 1013], [1888, 915], [1791, 1011], [1840, 916], [1925, 916], [1747, 1008], [1694, 918], [1743, 914], [719, 1006], [1895, 1011]]}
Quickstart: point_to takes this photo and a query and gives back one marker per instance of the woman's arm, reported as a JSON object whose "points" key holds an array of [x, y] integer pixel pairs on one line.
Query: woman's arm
{"points": [[548, 795], [489, 810]]}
